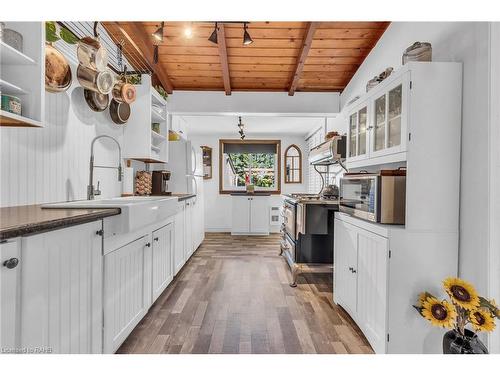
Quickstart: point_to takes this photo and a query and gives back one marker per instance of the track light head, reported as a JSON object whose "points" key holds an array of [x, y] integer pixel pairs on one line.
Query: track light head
{"points": [[213, 36], [158, 34], [246, 36]]}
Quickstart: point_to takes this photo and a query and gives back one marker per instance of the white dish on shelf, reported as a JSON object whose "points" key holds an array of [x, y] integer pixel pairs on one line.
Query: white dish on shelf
{"points": [[156, 137], [155, 149]]}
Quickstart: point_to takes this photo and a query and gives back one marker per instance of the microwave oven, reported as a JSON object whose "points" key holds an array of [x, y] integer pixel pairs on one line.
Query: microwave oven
{"points": [[379, 197]]}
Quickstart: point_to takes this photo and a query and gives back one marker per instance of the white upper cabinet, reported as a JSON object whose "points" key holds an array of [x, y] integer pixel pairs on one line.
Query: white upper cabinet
{"points": [[22, 74], [359, 139], [140, 141], [377, 124], [389, 121]]}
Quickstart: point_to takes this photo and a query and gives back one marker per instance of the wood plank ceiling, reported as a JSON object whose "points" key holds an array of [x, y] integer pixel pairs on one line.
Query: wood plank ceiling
{"points": [[284, 56]]}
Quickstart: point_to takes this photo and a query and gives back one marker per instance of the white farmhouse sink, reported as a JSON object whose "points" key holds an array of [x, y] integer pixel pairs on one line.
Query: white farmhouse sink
{"points": [[136, 212]]}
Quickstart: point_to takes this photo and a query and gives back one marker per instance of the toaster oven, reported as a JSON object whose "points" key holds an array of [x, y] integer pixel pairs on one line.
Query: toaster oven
{"points": [[379, 197]]}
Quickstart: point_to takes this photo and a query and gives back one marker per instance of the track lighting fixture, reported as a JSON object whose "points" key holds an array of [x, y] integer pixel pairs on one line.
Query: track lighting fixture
{"points": [[158, 34], [247, 39], [246, 36], [240, 126], [213, 37]]}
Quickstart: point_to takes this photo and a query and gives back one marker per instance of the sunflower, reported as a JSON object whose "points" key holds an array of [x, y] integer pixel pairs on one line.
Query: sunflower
{"points": [[439, 313], [461, 293], [482, 320]]}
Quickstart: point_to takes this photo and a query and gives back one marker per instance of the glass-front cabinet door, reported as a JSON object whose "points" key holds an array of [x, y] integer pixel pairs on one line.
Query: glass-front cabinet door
{"points": [[358, 134], [389, 119]]}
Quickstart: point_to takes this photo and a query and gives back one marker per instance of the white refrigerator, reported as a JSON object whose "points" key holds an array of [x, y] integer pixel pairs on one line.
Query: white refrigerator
{"points": [[186, 167]]}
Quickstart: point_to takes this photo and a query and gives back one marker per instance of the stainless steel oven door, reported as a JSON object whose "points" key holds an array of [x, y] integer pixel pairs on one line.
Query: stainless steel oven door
{"points": [[288, 249], [359, 196], [289, 219]]}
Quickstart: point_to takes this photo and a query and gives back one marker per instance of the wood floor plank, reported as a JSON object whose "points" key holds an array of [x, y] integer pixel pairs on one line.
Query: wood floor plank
{"points": [[233, 296]]}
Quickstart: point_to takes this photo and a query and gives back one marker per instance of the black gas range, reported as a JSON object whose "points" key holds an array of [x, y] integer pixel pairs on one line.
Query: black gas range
{"points": [[307, 231]]}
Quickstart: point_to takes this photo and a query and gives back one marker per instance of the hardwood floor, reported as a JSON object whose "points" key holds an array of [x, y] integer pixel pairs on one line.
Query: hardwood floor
{"points": [[233, 297]]}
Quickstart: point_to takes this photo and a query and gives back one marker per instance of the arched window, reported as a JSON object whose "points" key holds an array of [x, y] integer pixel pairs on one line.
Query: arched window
{"points": [[293, 165]]}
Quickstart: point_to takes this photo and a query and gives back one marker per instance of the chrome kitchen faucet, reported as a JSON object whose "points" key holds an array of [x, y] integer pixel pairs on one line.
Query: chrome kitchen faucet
{"points": [[91, 191]]}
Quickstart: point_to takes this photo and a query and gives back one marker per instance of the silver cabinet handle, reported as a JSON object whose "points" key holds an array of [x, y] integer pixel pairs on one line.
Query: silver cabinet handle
{"points": [[148, 244], [156, 239], [351, 269], [11, 263]]}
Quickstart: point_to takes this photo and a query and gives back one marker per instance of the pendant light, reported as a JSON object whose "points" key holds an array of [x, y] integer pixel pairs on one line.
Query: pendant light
{"points": [[240, 126], [246, 36], [158, 34], [213, 37]]}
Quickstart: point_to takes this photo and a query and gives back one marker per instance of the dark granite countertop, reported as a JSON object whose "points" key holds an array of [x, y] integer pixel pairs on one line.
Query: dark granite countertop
{"points": [[23, 220], [182, 197], [257, 194]]}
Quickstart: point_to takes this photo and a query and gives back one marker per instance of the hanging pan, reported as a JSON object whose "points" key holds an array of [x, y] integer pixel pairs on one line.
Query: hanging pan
{"points": [[119, 112], [96, 101], [57, 70], [91, 53], [124, 91]]}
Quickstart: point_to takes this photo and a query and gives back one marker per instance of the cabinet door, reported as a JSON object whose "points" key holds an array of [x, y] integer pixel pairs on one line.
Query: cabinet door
{"points": [[241, 215], [188, 229], [163, 244], [179, 236], [358, 136], [372, 288], [345, 251], [197, 224], [259, 215], [127, 294], [10, 255], [61, 290], [389, 129], [353, 135]]}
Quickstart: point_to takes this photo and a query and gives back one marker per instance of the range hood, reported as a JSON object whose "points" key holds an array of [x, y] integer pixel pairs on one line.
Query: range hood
{"points": [[329, 152]]}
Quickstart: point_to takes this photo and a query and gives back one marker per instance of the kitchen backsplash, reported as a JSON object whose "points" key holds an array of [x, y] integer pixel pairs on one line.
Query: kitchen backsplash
{"points": [[51, 164]]}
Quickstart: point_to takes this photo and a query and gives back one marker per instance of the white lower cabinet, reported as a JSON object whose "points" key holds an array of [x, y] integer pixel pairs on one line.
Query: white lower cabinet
{"points": [[163, 257], [61, 291], [188, 230], [127, 290], [10, 254], [198, 222], [250, 215], [179, 238], [372, 276], [360, 282]]}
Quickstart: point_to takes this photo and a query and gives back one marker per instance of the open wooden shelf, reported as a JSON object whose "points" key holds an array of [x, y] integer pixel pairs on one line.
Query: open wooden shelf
{"points": [[11, 56], [149, 160], [11, 119]]}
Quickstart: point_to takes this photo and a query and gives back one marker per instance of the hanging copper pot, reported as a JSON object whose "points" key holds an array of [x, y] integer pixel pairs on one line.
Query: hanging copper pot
{"points": [[124, 92], [58, 76]]}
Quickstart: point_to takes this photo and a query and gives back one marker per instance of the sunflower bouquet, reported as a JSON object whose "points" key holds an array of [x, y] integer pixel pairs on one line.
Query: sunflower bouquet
{"points": [[466, 307]]}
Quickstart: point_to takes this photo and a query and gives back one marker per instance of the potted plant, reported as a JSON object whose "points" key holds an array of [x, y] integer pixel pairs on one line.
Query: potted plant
{"points": [[466, 307]]}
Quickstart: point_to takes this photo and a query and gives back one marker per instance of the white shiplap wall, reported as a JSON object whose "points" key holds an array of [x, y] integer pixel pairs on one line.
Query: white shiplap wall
{"points": [[314, 179], [50, 164]]}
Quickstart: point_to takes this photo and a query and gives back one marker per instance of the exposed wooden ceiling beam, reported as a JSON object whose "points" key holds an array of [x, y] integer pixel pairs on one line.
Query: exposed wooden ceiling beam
{"points": [[304, 51], [221, 43], [141, 35]]}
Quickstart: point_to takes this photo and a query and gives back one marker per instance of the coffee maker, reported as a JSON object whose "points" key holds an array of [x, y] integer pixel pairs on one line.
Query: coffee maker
{"points": [[160, 183]]}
